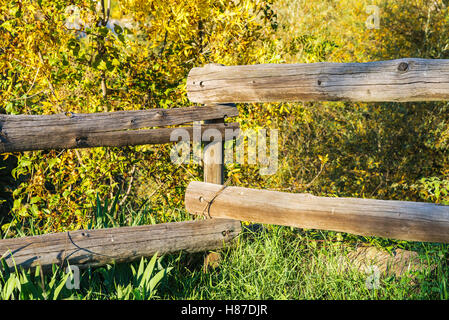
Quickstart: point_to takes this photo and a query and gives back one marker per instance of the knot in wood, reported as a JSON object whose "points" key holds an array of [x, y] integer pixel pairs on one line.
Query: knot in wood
{"points": [[159, 114], [226, 232], [403, 67], [81, 141]]}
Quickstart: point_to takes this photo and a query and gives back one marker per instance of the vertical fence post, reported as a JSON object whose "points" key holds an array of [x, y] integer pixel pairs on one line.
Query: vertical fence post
{"points": [[213, 159], [213, 162]]}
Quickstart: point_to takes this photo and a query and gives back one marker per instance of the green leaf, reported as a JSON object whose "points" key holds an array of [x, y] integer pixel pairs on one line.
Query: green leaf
{"points": [[102, 65], [5, 267], [158, 277], [11, 284], [139, 274], [103, 31], [52, 162], [25, 163], [115, 62], [35, 200], [60, 286], [118, 29], [148, 271]]}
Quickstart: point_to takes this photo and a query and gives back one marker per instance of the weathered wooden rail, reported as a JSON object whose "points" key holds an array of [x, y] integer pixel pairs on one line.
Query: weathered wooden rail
{"points": [[123, 128], [394, 80], [98, 247], [109, 129], [405, 220]]}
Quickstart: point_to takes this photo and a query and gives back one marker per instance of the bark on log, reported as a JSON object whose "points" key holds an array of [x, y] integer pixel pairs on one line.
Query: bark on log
{"points": [[408, 79], [405, 220], [73, 140], [110, 121], [103, 246], [110, 129]]}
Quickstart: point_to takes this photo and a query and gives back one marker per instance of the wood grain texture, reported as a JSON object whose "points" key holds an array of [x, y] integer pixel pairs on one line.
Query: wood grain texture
{"points": [[409, 79], [99, 247], [111, 121], [73, 140], [110, 129], [405, 220], [213, 158]]}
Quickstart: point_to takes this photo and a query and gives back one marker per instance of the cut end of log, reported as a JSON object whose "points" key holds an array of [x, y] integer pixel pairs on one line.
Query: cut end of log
{"points": [[369, 259]]}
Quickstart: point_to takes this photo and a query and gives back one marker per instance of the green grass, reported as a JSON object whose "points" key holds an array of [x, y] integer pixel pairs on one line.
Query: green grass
{"points": [[138, 281], [284, 263], [272, 263]]}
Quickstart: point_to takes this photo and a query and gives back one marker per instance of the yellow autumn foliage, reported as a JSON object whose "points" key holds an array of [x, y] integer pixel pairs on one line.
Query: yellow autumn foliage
{"points": [[140, 60]]}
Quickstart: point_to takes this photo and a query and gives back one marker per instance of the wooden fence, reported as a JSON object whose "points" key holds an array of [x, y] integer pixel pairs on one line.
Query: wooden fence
{"points": [[219, 87], [108, 129], [124, 128], [406, 220], [396, 80]]}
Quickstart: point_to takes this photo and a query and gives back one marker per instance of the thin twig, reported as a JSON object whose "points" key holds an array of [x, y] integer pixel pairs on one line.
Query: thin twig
{"points": [[79, 157], [28, 97], [50, 85], [129, 186], [161, 184], [313, 180], [34, 80], [25, 64]]}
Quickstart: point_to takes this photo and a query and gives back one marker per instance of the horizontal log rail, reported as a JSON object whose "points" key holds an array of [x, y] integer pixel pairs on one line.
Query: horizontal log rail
{"points": [[113, 129], [405, 220], [102, 139], [395, 80], [99, 247]]}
